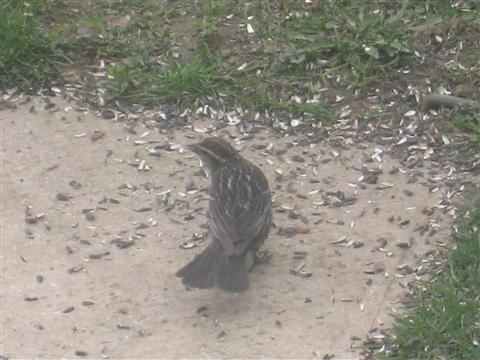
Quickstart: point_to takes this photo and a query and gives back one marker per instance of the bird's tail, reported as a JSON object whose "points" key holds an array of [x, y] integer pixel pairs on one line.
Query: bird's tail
{"points": [[212, 268]]}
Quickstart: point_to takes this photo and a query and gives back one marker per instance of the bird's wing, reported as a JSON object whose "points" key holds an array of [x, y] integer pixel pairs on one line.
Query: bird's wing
{"points": [[255, 222], [239, 207]]}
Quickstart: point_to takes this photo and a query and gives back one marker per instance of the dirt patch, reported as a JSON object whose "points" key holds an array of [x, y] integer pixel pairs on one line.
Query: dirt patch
{"points": [[88, 270]]}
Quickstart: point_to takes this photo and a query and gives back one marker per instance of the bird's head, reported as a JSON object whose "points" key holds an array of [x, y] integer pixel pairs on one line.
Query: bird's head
{"points": [[214, 151]]}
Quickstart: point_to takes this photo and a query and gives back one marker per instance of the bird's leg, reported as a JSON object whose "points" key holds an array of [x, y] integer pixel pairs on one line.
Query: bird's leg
{"points": [[259, 258]]}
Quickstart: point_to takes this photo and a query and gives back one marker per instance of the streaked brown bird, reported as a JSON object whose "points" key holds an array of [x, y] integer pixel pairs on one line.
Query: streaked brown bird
{"points": [[240, 218]]}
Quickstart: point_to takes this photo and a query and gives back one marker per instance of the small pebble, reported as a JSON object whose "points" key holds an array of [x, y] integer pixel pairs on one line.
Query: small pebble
{"points": [[202, 309], [75, 184], [108, 114], [90, 216], [123, 327], [68, 310], [62, 197], [382, 242], [403, 244], [404, 223], [298, 158]]}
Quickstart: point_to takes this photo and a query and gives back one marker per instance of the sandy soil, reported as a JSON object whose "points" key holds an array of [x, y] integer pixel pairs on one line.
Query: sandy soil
{"points": [[94, 277]]}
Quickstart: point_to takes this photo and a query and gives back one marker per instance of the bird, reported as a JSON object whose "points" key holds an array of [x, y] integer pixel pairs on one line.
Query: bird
{"points": [[239, 218]]}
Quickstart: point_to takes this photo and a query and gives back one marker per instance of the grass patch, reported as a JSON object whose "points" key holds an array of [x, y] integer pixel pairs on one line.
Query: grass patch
{"points": [[299, 57], [28, 53], [210, 13], [359, 39], [179, 83], [445, 320], [466, 119]]}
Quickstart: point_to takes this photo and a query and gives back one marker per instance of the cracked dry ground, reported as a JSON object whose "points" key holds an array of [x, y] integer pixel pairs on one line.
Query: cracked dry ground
{"points": [[96, 220]]}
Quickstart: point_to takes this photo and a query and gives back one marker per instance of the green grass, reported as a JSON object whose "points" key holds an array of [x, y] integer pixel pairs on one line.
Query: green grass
{"points": [[444, 322], [28, 53], [179, 83], [466, 119], [297, 48], [210, 13], [355, 38]]}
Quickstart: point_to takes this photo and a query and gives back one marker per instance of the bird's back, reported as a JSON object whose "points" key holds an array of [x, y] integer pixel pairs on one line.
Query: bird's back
{"points": [[240, 205]]}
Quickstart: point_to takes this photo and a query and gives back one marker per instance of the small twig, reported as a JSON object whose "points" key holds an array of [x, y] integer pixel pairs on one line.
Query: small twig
{"points": [[433, 101]]}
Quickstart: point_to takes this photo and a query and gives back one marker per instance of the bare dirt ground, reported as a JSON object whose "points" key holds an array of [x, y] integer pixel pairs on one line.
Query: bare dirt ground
{"points": [[88, 270]]}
